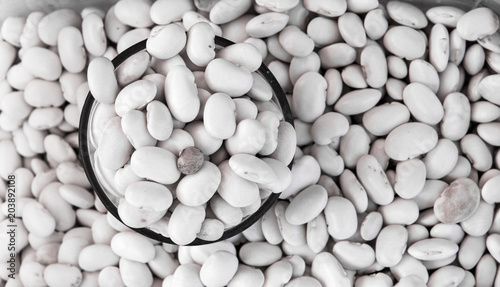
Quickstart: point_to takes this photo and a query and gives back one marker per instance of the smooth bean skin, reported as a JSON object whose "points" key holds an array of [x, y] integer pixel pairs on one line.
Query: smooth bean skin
{"points": [[114, 149], [155, 45], [93, 34], [217, 73], [374, 66], [421, 71], [132, 246], [352, 30], [358, 101], [218, 269], [410, 178], [148, 195], [247, 191], [457, 115], [42, 63], [133, 14], [391, 244], [71, 49], [353, 145], [423, 104], [476, 150], [266, 24], [371, 174], [341, 218], [328, 9], [157, 113], [336, 277], [484, 111], [134, 127], [306, 205], [233, 53], [323, 31], [353, 190], [102, 81], [487, 190], [400, 211], [375, 24], [405, 42], [441, 160], [200, 46], [406, 14], [258, 254], [329, 60], [354, 256], [485, 23], [180, 81], [309, 100], [446, 15], [410, 140], [480, 222], [219, 116], [156, 164], [328, 127], [196, 189], [439, 43], [97, 256]]}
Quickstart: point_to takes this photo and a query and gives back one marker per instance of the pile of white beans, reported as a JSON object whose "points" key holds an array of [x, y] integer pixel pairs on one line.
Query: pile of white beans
{"points": [[387, 189], [153, 128]]}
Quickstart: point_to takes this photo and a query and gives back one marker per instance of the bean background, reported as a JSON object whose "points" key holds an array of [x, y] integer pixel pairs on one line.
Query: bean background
{"points": [[396, 115]]}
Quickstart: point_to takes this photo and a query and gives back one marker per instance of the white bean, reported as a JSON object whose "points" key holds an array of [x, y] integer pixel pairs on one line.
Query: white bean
{"points": [[477, 23], [132, 13], [196, 189], [42, 63], [328, 9], [441, 160], [135, 273], [218, 269], [423, 104], [391, 245], [93, 34], [439, 47], [97, 256], [225, 11], [457, 115], [405, 42], [155, 44], [406, 14], [328, 270], [341, 218], [233, 53], [217, 73], [50, 25], [354, 256], [259, 254], [102, 80], [480, 221], [374, 180], [351, 29], [329, 59], [134, 96]]}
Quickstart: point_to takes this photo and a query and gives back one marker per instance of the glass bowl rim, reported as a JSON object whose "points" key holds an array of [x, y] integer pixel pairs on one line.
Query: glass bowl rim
{"points": [[84, 153]]}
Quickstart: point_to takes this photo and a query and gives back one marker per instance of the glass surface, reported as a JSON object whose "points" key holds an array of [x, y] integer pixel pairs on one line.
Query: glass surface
{"points": [[111, 198]]}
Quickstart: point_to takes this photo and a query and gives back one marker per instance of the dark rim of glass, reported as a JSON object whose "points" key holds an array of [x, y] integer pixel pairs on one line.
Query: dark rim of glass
{"points": [[84, 152]]}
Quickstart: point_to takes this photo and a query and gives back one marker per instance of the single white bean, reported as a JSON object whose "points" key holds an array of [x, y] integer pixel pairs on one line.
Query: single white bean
{"points": [[155, 44], [391, 245], [406, 14], [477, 23], [42, 63]]}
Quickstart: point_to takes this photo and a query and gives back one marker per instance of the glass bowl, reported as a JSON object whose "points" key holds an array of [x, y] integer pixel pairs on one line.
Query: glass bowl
{"points": [[110, 198]]}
